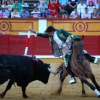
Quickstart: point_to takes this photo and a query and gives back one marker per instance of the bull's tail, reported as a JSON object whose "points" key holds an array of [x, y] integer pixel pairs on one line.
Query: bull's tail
{"points": [[5, 74]]}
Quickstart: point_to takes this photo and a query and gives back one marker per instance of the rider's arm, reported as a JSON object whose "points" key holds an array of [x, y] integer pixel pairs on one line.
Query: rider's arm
{"points": [[40, 34], [65, 33], [43, 35]]}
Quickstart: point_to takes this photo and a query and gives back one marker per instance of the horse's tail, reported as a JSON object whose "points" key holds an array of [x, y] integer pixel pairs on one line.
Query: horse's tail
{"points": [[59, 69]]}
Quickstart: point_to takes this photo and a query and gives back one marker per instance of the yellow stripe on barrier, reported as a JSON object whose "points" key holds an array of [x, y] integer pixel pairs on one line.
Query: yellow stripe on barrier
{"points": [[75, 26]]}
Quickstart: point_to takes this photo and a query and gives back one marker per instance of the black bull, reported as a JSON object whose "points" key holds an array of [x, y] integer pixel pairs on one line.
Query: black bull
{"points": [[22, 70]]}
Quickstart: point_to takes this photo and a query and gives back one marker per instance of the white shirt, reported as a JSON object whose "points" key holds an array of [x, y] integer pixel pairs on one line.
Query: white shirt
{"points": [[80, 8], [90, 9], [42, 8], [9, 7], [58, 41], [74, 15], [35, 14], [97, 6], [86, 15], [15, 15]]}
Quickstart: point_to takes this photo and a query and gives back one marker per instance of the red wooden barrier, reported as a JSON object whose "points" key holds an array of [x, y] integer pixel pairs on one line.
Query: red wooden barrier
{"points": [[39, 46], [12, 44], [4, 44], [92, 44]]}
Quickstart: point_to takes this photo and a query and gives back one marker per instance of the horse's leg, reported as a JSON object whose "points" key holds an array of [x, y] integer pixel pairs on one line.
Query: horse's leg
{"points": [[62, 78], [83, 90], [94, 81], [7, 88], [84, 80], [63, 74]]}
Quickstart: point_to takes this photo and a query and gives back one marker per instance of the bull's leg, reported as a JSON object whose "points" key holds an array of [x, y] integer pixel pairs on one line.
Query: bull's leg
{"points": [[7, 88], [4, 76], [83, 79], [83, 90], [94, 82], [23, 91]]}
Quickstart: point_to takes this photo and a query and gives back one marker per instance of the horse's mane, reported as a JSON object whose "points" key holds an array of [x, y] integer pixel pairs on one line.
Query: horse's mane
{"points": [[79, 39]]}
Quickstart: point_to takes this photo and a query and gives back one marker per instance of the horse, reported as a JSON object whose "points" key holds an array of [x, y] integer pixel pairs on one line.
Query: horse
{"points": [[80, 66]]}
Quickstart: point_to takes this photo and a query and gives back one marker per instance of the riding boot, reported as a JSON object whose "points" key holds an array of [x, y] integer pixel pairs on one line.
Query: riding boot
{"points": [[92, 59], [70, 71], [72, 79]]}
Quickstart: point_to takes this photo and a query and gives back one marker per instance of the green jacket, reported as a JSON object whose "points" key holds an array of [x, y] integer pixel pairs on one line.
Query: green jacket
{"points": [[18, 7], [61, 33]]}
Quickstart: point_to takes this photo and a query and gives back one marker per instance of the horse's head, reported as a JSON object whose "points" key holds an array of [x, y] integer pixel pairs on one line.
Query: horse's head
{"points": [[77, 48]]}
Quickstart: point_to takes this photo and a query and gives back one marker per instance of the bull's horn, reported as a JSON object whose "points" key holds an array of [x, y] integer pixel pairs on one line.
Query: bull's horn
{"points": [[51, 71]]}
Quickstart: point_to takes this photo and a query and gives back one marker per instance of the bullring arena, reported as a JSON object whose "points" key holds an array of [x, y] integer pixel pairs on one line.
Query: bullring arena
{"points": [[12, 43], [38, 91]]}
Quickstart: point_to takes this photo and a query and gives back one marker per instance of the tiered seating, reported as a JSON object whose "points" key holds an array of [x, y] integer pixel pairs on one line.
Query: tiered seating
{"points": [[31, 3]]}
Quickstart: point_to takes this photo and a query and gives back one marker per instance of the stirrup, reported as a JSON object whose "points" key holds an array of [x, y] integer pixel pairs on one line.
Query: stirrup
{"points": [[72, 80]]}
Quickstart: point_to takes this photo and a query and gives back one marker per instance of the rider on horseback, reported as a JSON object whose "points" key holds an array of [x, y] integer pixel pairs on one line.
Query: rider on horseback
{"points": [[63, 40]]}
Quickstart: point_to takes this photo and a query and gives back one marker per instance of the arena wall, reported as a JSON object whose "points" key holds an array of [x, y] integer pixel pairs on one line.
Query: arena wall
{"points": [[12, 43], [75, 26]]}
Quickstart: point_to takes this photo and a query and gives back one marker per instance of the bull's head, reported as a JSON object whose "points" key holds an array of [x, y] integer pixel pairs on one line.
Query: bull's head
{"points": [[43, 72]]}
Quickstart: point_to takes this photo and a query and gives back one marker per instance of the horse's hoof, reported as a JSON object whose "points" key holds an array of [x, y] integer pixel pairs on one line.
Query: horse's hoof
{"points": [[25, 96]]}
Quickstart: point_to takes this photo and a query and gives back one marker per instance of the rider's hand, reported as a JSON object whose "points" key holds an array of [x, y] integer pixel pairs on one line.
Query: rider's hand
{"points": [[32, 30]]}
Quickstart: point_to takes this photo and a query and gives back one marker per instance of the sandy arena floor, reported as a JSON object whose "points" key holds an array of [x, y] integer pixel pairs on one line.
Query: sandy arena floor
{"points": [[39, 91]]}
